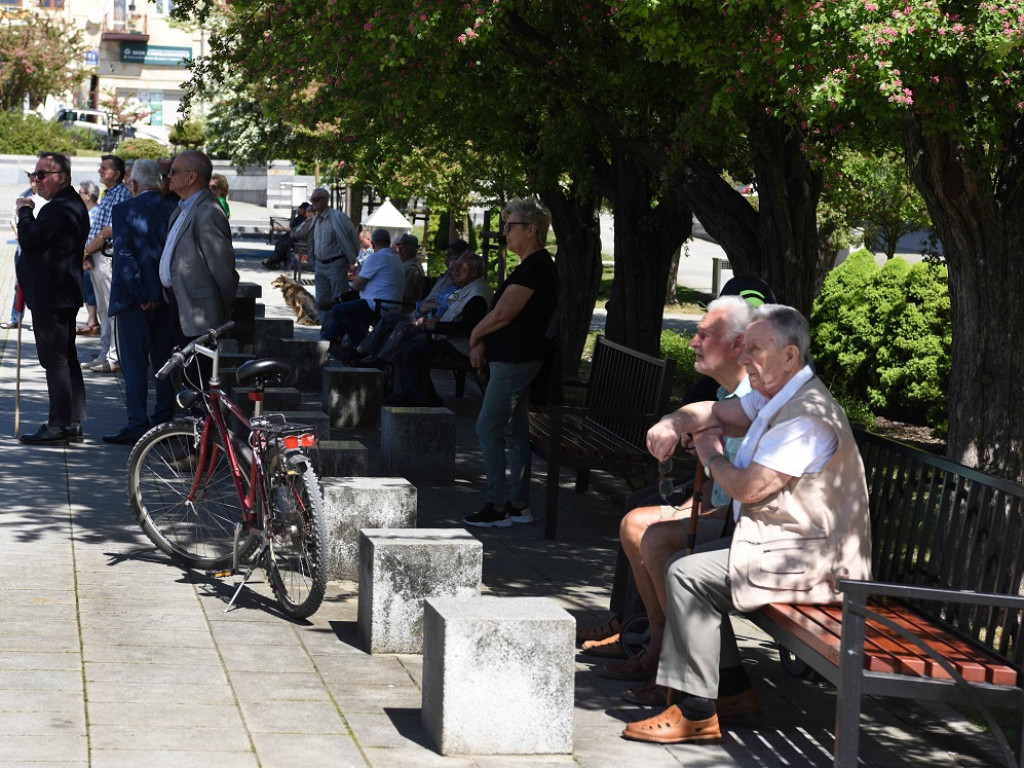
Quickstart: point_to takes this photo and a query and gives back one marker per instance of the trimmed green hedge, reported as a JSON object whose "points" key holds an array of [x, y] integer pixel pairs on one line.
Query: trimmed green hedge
{"points": [[28, 134], [881, 337]]}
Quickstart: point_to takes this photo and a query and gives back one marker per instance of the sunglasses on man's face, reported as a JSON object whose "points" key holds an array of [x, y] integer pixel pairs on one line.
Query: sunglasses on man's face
{"points": [[40, 175]]}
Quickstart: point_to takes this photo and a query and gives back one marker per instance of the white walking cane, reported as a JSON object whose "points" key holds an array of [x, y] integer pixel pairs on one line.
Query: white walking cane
{"points": [[17, 380]]}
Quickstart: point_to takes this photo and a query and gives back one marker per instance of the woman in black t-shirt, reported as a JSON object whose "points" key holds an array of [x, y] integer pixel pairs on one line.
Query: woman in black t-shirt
{"points": [[510, 339]]}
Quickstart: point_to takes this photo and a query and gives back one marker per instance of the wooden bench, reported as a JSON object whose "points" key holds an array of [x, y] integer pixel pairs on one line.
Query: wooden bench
{"points": [[625, 394], [944, 618]]}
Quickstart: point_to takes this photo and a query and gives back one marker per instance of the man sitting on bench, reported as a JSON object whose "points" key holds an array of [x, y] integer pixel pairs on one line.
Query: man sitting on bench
{"points": [[800, 507], [651, 535]]}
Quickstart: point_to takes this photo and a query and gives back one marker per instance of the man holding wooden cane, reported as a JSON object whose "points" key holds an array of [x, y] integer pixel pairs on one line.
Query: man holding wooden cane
{"points": [[651, 535]]}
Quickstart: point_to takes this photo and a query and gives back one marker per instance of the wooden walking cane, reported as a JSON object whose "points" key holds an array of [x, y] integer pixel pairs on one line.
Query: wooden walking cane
{"points": [[695, 505]]}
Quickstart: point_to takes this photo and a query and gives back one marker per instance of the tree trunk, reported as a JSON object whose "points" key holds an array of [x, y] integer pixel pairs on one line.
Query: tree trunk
{"points": [[788, 191], [575, 220], [724, 213], [671, 300], [979, 218], [779, 242], [646, 235]]}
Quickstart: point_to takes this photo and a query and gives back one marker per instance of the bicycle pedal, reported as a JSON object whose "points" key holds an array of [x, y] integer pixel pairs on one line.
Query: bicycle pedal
{"points": [[221, 574]]}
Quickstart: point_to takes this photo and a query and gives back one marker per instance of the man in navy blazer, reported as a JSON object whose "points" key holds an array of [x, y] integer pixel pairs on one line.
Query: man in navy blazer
{"points": [[198, 261], [145, 328], [50, 274]]}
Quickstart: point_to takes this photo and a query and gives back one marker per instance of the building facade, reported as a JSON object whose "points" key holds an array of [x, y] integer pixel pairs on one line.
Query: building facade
{"points": [[134, 51]]}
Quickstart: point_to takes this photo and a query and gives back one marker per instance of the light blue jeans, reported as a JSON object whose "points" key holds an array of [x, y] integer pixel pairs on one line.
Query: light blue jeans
{"points": [[504, 421]]}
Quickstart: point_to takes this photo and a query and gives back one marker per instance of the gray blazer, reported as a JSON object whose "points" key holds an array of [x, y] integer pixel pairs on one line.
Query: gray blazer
{"points": [[203, 272]]}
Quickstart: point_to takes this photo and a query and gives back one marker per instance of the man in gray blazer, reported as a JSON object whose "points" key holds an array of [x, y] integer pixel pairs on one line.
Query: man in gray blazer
{"points": [[197, 266]]}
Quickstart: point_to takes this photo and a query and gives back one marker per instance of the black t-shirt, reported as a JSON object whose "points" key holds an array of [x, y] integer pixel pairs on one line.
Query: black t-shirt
{"points": [[522, 339]]}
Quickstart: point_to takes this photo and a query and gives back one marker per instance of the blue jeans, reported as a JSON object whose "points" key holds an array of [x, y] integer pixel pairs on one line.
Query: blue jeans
{"points": [[504, 421]]}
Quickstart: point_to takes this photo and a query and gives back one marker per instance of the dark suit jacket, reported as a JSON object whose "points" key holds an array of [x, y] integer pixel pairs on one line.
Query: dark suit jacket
{"points": [[203, 272], [140, 230], [52, 245]]}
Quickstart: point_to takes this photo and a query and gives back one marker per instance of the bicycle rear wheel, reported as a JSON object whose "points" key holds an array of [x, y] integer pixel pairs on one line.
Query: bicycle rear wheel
{"points": [[296, 559], [163, 468]]}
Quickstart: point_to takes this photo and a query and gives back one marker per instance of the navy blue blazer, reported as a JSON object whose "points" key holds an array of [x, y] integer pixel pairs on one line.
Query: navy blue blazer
{"points": [[52, 245], [140, 230]]}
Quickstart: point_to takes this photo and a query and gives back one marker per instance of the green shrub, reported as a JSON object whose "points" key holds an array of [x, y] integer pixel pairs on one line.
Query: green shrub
{"points": [[22, 134], [141, 149], [676, 345], [881, 337]]}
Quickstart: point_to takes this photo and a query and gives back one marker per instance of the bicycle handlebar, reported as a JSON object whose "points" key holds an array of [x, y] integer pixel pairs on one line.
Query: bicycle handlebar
{"points": [[183, 355]]}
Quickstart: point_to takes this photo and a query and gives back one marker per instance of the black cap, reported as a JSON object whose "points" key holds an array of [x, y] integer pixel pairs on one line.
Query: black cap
{"points": [[755, 290]]}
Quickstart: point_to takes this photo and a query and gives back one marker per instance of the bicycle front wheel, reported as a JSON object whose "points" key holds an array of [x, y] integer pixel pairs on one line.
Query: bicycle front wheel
{"points": [[188, 510], [296, 559]]}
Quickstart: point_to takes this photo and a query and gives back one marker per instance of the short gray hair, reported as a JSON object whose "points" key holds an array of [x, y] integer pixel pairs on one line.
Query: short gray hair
{"points": [[91, 190], [789, 325], [738, 312], [529, 209], [146, 174]]}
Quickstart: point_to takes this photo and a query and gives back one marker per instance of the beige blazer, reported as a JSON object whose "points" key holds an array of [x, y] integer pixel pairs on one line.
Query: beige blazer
{"points": [[792, 546]]}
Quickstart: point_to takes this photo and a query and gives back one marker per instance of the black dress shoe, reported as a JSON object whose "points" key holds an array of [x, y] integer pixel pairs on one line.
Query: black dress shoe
{"points": [[124, 437], [75, 433], [47, 435]]}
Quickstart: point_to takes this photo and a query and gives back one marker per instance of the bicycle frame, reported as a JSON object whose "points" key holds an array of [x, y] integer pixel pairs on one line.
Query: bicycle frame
{"points": [[215, 416]]}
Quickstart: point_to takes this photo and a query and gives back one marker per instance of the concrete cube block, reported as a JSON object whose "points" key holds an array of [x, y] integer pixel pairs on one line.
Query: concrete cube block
{"points": [[307, 357], [316, 420], [498, 675], [249, 290], [227, 347], [268, 334], [398, 568], [418, 443], [243, 312], [341, 458], [354, 503], [275, 399], [353, 397]]}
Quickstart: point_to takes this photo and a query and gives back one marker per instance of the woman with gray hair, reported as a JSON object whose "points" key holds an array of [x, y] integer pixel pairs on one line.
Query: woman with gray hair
{"points": [[89, 191], [510, 339]]}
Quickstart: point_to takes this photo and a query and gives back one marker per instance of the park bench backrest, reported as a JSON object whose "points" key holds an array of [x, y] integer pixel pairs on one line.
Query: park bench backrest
{"points": [[622, 379], [935, 523]]}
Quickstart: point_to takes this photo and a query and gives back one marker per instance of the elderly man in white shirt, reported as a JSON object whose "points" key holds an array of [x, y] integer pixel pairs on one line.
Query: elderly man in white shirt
{"points": [[800, 508]]}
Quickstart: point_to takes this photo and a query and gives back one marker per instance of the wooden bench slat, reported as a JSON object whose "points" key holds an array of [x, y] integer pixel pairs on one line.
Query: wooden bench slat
{"points": [[820, 626]]}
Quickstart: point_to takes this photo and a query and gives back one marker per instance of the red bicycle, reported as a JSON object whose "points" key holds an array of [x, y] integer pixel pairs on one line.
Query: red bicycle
{"points": [[189, 478]]}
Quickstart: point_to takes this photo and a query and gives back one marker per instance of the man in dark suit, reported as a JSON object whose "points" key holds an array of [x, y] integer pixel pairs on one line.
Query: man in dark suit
{"points": [[145, 328], [197, 265], [50, 274]]}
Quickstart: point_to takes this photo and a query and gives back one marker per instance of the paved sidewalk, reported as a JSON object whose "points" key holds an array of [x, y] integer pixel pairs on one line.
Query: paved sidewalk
{"points": [[110, 655]]}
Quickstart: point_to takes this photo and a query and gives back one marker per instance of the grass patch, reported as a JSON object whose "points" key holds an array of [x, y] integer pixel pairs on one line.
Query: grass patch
{"points": [[688, 298]]}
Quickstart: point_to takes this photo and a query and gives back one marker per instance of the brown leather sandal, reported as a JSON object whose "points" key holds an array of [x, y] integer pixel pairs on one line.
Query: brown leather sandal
{"points": [[641, 667], [602, 632]]}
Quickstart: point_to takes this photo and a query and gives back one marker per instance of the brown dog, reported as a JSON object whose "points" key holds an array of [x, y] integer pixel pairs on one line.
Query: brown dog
{"points": [[299, 299]]}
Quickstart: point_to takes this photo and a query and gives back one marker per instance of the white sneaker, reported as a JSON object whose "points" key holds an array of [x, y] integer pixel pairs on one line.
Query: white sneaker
{"points": [[517, 515]]}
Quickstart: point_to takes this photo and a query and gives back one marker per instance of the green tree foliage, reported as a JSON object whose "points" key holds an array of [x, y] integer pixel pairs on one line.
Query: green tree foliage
{"points": [[874, 192], [39, 57], [141, 149], [883, 337], [27, 134]]}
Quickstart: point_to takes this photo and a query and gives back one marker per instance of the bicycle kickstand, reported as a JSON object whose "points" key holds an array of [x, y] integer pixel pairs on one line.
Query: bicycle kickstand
{"points": [[257, 558]]}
